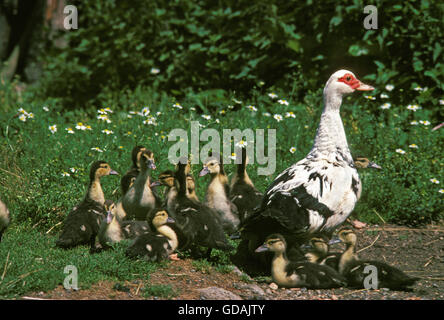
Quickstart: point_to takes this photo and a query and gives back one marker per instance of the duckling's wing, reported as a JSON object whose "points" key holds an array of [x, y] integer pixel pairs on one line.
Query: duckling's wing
{"points": [[133, 229], [150, 246]]}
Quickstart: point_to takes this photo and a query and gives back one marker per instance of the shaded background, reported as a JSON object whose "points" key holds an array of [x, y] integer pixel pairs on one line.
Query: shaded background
{"points": [[200, 46]]}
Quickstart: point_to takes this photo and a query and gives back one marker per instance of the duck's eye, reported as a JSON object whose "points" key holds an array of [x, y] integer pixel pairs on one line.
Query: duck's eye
{"points": [[348, 78]]}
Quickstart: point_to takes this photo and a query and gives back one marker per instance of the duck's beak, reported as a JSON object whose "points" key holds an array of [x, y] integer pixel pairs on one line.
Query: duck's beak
{"points": [[170, 220], [204, 172], [364, 87], [334, 240], [262, 248], [155, 184], [306, 246], [113, 172], [373, 165]]}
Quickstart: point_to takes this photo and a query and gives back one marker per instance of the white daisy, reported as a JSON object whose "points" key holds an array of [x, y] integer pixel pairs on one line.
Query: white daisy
{"points": [[97, 149], [413, 107], [53, 128], [106, 131], [389, 87], [400, 151], [413, 146], [278, 117], [284, 102], [267, 114], [384, 96], [154, 70], [292, 149], [272, 95], [435, 181], [252, 108], [69, 130], [414, 123], [424, 122], [206, 117], [177, 106], [45, 108], [241, 144], [65, 174], [22, 117], [370, 97], [290, 114], [386, 106]]}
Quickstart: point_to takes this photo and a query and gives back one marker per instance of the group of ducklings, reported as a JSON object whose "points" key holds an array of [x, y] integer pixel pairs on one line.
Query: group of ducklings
{"points": [[158, 226], [321, 269]]}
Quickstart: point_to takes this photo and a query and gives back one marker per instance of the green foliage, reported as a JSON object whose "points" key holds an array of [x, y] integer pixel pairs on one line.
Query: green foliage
{"points": [[234, 45]]}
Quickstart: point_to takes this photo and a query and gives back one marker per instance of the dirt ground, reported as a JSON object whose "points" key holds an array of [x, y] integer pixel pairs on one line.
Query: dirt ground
{"points": [[418, 252]]}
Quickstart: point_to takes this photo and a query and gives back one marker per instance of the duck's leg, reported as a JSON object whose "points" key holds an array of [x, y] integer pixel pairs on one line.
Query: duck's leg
{"points": [[357, 224], [174, 257]]}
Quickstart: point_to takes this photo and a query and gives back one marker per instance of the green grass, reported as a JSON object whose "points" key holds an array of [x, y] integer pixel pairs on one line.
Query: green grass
{"points": [[159, 291], [33, 160], [29, 261]]}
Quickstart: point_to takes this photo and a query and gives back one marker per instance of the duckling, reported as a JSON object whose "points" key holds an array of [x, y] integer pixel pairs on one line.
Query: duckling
{"points": [[155, 246], [125, 182], [217, 196], [361, 163], [353, 268], [82, 223], [243, 194], [291, 274], [140, 198], [199, 224], [320, 252], [113, 230], [4, 218]]}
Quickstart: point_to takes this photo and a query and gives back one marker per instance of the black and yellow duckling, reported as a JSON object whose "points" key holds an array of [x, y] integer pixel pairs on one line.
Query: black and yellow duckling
{"points": [[218, 194], [320, 252], [4, 218], [243, 194], [199, 224], [140, 199], [361, 163], [155, 246], [125, 182], [83, 222], [166, 179], [290, 274], [352, 268]]}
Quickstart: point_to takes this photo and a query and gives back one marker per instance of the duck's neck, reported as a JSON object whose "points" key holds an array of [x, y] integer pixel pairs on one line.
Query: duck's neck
{"points": [[170, 234], [348, 256], [219, 181], [330, 136], [95, 191]]}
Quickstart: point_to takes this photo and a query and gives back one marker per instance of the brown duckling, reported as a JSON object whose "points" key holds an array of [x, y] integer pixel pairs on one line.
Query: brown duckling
{"points": [[218, 194], [199, 224], [156, 246], [113, 230], [140, 199], [320, 252], [243, 194], [83, 222], [4, 218], [353, 268], [362, 163], [290, 274], [125, 182]]}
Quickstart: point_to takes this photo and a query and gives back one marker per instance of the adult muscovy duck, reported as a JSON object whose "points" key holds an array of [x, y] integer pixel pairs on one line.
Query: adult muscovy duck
{"points": [[319, 192]]}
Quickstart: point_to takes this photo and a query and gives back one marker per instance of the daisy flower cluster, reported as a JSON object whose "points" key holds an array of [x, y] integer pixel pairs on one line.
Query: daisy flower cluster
{"points": [[24, 115]]}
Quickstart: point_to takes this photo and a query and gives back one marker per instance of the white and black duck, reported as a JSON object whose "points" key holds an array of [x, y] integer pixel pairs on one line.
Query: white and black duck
{"points": [[317, 193]]}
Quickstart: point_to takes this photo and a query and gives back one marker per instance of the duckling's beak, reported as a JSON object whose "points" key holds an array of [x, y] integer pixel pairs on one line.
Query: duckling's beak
{"points": [[170, 220], [334, 240], [151, 165], [374, 165], [109, 217], [235, 236], [204, 172], [364, 87], [306, 246], [155, 184], [262, 248], [113, 172]]}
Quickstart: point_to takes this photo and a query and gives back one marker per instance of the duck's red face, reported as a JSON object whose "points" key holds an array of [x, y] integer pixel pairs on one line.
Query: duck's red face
{"points": [[354, 83]]}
